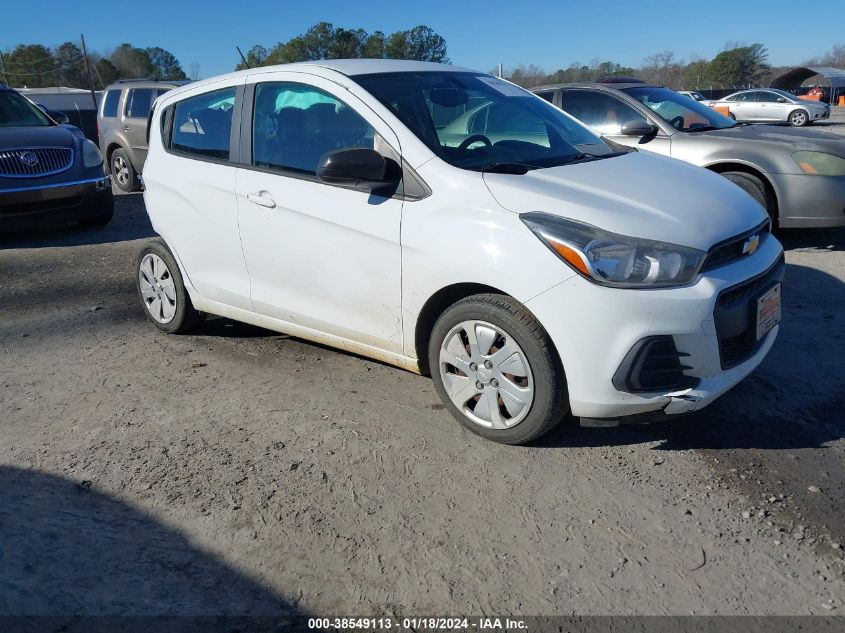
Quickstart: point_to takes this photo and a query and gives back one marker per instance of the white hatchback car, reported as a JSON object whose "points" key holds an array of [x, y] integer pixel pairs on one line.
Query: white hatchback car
{"points": [[527, 266]]}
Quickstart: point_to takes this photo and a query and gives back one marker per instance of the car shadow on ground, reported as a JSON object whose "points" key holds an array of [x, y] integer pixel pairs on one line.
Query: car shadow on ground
{"points": [[130, 222], [70, 552], [795, 399], [821, 240]]}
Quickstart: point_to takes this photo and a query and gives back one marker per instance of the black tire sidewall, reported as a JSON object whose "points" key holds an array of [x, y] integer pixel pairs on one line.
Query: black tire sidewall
{"points": [[550, 402], [186, 316], [751, 185], [132, 185]]}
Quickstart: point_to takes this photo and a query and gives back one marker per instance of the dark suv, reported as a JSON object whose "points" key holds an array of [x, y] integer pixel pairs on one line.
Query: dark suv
{"points": [[122, 126], [48, 171]]}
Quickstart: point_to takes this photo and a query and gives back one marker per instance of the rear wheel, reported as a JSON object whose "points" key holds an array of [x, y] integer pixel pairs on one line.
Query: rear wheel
{"points": [[124, 174], [799, 118], [162, 291], [496, 370]]}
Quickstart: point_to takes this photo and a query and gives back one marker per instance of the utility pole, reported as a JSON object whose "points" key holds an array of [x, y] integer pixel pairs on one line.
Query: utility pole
{"points": [[3, 68], [88, 67]]}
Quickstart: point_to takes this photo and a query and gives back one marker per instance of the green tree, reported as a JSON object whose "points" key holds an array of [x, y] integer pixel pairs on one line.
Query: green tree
{"points": [[70, 63], [254, 57], [131, 62], [740, 66], [696, 74], [420, 43], [374, 44], [164, 64], [104, 71], [31, 65]]}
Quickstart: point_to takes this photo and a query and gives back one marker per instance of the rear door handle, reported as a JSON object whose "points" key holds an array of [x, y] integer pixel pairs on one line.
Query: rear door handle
{"points": [[262, 199], [126, 128]]}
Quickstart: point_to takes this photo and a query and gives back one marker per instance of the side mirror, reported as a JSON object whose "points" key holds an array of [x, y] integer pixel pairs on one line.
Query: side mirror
{"points": [[782, 100], [357, 167], [58, 117], [638, 128]]}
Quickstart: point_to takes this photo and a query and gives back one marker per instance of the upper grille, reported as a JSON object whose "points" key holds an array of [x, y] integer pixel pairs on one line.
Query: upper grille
{"points": [[733, 249], [34, 162]]}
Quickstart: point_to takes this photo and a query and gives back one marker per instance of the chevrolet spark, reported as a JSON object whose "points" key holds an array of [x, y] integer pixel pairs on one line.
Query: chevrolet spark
{"points": [[450, 223]]}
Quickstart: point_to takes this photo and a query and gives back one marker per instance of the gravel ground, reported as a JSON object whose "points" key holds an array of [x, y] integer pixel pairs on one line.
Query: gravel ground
{"points": [[239, 471]]}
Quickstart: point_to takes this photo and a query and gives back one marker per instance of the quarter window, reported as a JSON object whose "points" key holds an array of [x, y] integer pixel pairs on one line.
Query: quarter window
{"points": [[294, 125], [598, 111], [110, 103], [202, 125]]}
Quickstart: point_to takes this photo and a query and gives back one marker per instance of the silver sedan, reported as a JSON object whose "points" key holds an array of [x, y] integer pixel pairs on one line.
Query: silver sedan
{"points": [[769, 105]]}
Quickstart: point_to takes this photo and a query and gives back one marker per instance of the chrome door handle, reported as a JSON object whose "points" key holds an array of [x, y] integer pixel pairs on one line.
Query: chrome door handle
{"points": [[126, 128], [262, 199]]}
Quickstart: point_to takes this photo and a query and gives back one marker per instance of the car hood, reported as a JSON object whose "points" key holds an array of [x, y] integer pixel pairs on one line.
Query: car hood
{"points": [[638, 194], [795, 138], [53, 136]]}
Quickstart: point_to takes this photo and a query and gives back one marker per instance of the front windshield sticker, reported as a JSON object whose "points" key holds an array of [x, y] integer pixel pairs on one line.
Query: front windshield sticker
{"points": [[507, 89]]}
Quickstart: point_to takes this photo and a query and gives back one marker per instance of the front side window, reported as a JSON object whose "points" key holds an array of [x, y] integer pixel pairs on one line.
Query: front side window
{"points": [[680, 112], [480, 122], [293, 125], [18, 111], [768, 97], [110, 103], [138, 103], [602, 112], [202, 125]]}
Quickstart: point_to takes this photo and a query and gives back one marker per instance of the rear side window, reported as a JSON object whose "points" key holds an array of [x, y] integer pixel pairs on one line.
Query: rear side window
{"points": [[294, 125], [110, 103], [202, 125], [138, 103], [548, 95]]}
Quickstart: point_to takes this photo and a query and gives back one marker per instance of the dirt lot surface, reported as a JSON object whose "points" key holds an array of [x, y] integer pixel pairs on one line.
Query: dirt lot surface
{"points": [[239, 471]]}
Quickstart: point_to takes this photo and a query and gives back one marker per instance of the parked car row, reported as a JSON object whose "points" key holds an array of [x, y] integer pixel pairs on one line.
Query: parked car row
{"points": [[770, 105], [451, 223]]}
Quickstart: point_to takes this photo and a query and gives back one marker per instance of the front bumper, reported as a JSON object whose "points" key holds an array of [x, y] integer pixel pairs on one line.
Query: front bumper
{"points": [[810, 201], [33, 206], [594, 328]]}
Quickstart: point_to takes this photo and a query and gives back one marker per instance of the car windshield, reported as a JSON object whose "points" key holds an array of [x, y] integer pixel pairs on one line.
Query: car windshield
{"points": [[682, 113], [479, 122], [17, 111]]}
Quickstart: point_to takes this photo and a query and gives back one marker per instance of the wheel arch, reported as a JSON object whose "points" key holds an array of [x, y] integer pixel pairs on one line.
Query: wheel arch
{"points": [[439, 302], [722, 167]]}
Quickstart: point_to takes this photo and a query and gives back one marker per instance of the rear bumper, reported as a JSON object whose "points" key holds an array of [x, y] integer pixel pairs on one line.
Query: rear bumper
{"points": [[34, 206], [810, 201]]}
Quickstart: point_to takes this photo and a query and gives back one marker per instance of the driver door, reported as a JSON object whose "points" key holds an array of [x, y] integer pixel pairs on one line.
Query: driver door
{"points": [[320, 256], [606, 114]]}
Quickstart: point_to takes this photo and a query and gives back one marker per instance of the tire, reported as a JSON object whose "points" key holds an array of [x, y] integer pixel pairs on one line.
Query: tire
{"points": [[755, 187], [122, 171], [162, 292], [530, 376], [798, 118], [731, 115]]}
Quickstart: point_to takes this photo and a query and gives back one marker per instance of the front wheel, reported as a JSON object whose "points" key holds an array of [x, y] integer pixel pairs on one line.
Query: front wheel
{"points": [[496, 369], [162, 291], [799, 118]]}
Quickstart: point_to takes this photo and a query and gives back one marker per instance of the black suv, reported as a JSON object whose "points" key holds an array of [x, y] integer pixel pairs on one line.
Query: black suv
{"points": [[49, 172]]}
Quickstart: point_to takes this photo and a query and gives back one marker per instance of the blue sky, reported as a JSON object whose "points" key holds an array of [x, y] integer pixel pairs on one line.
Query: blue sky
{"points": [[479, 34]]}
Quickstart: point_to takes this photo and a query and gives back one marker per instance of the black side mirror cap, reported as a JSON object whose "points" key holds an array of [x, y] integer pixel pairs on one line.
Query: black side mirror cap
{"points": [[357, 167], [58, 117], [638, 128]]}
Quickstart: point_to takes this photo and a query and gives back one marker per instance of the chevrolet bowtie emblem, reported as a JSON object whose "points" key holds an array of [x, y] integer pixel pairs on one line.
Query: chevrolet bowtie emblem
{"points": [[751, 244]]}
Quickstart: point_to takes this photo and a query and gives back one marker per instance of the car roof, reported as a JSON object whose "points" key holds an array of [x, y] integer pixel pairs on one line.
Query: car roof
{"points": [[595, 84], [147, 83]]}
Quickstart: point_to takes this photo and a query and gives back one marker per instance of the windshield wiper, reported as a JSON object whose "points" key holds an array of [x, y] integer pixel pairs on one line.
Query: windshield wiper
{"points": [[581, 157], [507, 168]]}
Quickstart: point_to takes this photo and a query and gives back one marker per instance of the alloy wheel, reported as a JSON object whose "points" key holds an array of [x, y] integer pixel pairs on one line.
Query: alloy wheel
{"points": [[121, 170], [798, 119], [157, 288], [486, 374]]}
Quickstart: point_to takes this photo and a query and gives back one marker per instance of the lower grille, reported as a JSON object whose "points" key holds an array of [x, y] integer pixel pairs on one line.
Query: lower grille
{"points": [[736, 313], [40, 205], [34, 162], [653, 364]]}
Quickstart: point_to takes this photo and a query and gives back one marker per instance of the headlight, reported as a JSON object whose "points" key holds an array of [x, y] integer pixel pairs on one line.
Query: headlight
{"points": [[819, 163], [616, 260], [91, 156]]}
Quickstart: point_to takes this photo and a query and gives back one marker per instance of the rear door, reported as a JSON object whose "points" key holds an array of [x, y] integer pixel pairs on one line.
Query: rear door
{"points": [[744, 106]]}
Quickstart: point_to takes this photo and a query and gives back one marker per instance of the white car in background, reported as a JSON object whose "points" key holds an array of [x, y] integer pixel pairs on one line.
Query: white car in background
{"points": [[770, 105], [697, 96], [529, 267]]}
